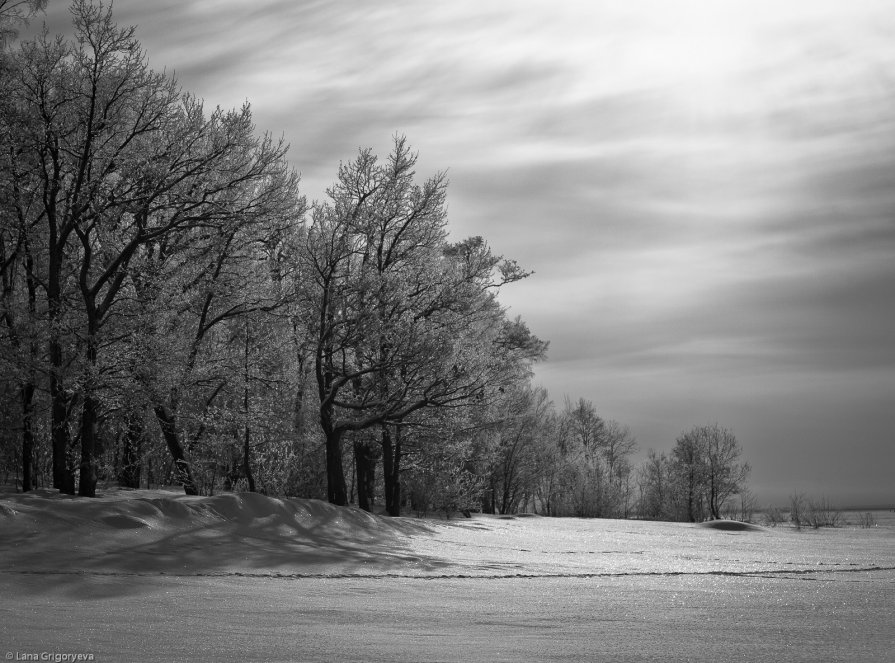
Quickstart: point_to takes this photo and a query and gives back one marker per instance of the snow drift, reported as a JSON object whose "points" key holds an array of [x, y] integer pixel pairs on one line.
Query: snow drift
{"points": [[162, 532], [165, 532]]}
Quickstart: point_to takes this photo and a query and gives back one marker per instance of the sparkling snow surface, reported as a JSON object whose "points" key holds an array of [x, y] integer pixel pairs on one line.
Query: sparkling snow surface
{"points": [[157, 576]]}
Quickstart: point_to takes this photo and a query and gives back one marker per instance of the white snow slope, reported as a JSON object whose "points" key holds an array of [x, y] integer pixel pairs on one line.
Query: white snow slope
{"points": [[158, 576]]}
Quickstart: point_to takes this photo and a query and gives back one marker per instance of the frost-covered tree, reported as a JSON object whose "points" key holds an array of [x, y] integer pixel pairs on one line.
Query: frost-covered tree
{"points": [[618, 444], [163, 301], [513, 463], [707, 470], [142, 199], [400, 319], [654, 485], [14, 14], [726, 473], [598, 451]]}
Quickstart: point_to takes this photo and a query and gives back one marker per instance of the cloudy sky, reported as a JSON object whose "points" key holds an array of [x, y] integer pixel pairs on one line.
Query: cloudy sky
{"points": [[705, 189]]}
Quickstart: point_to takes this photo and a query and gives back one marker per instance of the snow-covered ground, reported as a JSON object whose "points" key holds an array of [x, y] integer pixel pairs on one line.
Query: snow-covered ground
{"points": [[159, 576]]}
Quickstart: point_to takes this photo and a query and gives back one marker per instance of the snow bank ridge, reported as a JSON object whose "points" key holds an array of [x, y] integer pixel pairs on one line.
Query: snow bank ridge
{"points": [[127, 510]]}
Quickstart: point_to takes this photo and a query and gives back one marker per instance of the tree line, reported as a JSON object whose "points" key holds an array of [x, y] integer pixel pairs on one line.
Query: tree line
{"points": [[173, 310]]}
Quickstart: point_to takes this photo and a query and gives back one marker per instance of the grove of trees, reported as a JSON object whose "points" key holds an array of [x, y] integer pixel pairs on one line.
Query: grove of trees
{"points": [[705, 470], [173, 310]]}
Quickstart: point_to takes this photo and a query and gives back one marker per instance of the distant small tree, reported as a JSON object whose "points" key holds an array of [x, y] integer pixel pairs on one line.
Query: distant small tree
{"points": [[689, 471], [726, 474], [866, 520], [707, 467], [821, 513], [773, 516], [797, 509]]}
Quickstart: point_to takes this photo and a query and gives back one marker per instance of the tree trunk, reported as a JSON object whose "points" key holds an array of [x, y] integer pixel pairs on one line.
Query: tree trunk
{"points": [[63, 477], [365, 464], [28, 387], [691, 500], [87, 481], [486, 500], [391, 470], [246, 460], [168, 426], [388, 461], [27, 396], [246, 446], [508, 495], [132, 452], [336, 488], [89, 415], [360, 468], [715, 498], [298, 411]]}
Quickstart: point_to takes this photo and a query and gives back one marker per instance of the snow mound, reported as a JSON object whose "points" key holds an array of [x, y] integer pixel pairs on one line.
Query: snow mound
{"points": [[731, 526], [124, 521], [142, 531]]}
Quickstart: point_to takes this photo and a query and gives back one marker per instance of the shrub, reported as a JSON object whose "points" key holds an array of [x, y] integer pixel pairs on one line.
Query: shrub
{"points": [[446, 488], [822, 514], [773, 516], [866, 520], [797, 510]]}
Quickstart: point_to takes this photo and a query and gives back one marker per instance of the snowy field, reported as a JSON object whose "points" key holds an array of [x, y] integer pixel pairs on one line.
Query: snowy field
{"points": [[159, 576]]}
